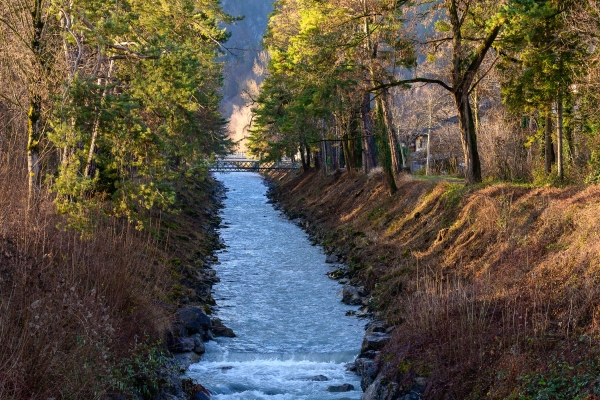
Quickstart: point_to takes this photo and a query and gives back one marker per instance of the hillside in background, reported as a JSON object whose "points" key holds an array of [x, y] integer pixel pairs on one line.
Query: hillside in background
{"points": [[244, 65]]}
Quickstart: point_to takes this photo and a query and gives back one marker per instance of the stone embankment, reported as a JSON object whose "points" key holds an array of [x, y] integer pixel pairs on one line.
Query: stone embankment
{"points": [[193, 325]]}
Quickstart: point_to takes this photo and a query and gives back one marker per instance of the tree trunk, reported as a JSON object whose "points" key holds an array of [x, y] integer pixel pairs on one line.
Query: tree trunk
{"points": [[34, 135], [430, 111], [402, 156], [548, 145], [305, 166], [368, 159], [571, 149], [346, 150], [468, 138], [96, 126], [34, 115], [383, 146], [355, 145], [389, 125], [391, 182], [324, 156], [559, 137], [476, 102]]}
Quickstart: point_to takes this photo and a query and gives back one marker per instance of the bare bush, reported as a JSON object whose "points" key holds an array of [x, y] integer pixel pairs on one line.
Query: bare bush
{"points": [[503, 151]]}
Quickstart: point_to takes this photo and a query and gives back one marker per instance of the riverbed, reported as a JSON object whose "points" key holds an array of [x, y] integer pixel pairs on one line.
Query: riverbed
{"points": [[294, 338]]}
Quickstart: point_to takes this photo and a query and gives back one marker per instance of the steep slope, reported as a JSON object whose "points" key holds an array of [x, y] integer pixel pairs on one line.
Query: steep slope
{"points": [[492, 289]]}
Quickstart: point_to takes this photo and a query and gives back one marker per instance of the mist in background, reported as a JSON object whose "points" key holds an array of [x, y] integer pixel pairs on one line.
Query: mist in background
{"points": [[244, 69]]}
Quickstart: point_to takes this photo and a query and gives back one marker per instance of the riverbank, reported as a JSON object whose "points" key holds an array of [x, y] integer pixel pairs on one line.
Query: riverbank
{"points": [[99, 314], [488, 291]]}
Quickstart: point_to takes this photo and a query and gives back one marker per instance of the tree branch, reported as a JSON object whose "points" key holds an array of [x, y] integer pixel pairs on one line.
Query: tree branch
{"points": [[485, 74], [131, 53], [479, 57], [409, 81]]}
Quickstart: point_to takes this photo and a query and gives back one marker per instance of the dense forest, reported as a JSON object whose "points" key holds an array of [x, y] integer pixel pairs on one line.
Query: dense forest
{"points": [[110, 101], [108, 113], [498, 89]]}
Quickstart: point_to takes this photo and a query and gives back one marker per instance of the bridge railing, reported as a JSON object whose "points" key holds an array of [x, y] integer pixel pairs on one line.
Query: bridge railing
{"points": [[237, 165]]}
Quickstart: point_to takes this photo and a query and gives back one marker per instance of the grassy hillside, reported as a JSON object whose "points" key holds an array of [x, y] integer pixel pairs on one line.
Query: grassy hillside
{"points": [[493, 289], [85, 315]]}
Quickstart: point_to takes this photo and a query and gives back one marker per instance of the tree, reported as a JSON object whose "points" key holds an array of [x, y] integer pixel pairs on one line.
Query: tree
{"points": [[306, 83], [30, 38], [122, 96], [329, 54], [583, 21], [541, 60]]}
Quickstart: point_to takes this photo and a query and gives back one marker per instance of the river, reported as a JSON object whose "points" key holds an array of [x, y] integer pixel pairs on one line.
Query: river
{"points": [[291, 327]]}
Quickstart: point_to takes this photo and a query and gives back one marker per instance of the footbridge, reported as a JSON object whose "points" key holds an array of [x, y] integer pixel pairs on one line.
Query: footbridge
{"points": [[238, 162]]}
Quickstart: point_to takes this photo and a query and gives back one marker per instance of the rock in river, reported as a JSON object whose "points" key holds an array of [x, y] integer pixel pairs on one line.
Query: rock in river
{"points": [[351, 295], [346, 387], [182, 344], [221, 330], [374, 341], [367, 370], [199, 347], [332, 259], [194, 319], [381, 389], [186, 359]]}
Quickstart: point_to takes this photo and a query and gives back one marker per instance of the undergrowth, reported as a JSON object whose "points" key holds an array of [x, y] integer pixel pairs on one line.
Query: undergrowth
{"points": [[560, 380], [141, 373], [83, 316]]}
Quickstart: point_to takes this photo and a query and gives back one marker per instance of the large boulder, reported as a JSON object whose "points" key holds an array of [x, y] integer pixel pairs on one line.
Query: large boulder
{"points": [[346, 387], [181, 344], [374, 341], [219, 329], [377, 326], [194, 319], [367, 370], [351, 295], [184, 360], [199, 347], [381, 389]]}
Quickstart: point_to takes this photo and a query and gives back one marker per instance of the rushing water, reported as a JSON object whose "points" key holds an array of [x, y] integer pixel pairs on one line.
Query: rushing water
{"points": [[290, 324]]}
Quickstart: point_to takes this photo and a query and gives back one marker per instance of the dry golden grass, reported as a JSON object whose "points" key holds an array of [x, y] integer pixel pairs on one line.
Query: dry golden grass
{"points": [[70, 307], [486, 285]]}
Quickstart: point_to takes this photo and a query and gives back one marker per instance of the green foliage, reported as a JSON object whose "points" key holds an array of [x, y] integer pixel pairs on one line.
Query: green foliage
{"points": [[594, 176], [561, 380], [454, 194], [548, 55], [145, 114], [376, 214], [142, 373], [320, 53]]}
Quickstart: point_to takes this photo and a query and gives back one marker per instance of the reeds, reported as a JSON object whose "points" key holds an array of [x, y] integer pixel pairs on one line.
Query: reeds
{"points": [[70, 307]]}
